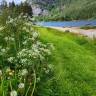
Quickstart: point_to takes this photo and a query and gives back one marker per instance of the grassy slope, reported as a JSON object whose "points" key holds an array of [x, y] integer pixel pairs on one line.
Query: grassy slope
{"points": [[74, 59]]}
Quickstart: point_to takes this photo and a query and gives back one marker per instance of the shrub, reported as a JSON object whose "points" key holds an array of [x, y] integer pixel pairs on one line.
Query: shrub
{"points": [[24, 59]]}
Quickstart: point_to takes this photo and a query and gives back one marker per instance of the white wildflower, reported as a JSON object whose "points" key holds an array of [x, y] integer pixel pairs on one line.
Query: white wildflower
{"points": [[48, 51], [41, 57], [23, 60], [38, 79], [51, 45], [46, 71], [6, 38], [23, 50], [25, 42], [24, 16], [32, 39], [8, 70], [37, 51], [11, 59], [21, 85], [32, 19], [20, 54], [35, 34], [42, 49], [0, 72], [11, 39], [9, 17], [39, 43], [24, 72], [3, 50], [11, 20], [31, 29], [27, 30], [24, 28], [50, 66], [29, 23], [13, 93], [1, 28]]}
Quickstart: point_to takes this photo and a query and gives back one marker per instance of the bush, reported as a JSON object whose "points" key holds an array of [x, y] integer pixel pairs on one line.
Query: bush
{"points": [[24, 59]]}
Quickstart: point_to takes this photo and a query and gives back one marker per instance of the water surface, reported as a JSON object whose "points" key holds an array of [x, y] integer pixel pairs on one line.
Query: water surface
{"points": [[68, 23]]}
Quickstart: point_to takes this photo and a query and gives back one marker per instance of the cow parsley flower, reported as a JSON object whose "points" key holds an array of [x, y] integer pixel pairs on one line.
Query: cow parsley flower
{"points": [[3, 50], [6, 38], [31, 29], [48, 51], [50, 66], [11, 39], [25, 42], [35, 34], [23, 60], [1, 28], [41, 57], [24, 72], [10, 59], [24, 28], [8, 70]]}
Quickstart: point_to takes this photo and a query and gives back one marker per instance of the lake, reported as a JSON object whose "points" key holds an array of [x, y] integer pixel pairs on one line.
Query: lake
{"points": [[68, 23]]}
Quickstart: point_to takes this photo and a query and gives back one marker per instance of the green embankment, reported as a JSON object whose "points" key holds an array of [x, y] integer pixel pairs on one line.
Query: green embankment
{"points": [[74, 60]]}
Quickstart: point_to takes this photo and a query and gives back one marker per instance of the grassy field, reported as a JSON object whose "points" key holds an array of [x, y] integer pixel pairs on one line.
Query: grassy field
{"points": [[74, 60], [88, 27]]}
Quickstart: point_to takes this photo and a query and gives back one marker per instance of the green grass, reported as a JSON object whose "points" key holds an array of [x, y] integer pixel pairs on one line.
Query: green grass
{"points": [[88, 27], [74, 60]]}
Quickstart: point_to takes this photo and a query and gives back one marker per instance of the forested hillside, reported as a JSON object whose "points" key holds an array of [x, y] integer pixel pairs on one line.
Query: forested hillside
{"points": [[70, 10]]}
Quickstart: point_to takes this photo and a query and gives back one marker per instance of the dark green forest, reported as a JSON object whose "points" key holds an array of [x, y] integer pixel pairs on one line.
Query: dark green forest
{"points": [[66, 10]]}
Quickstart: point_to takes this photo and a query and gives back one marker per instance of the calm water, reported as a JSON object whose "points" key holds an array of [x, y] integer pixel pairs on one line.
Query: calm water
{"points": [[68, 23]]}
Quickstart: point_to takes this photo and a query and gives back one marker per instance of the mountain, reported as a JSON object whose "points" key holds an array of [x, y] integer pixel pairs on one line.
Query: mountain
{"points": [[54, 10], [38, 6]]}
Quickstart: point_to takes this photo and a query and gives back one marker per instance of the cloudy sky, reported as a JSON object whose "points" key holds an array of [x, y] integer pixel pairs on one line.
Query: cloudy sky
{"points": [[16, 1]]}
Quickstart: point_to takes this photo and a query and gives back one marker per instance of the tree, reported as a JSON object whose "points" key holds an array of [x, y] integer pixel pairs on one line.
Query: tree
{"points": [[12, 5], [3, 4], [25, 8]]}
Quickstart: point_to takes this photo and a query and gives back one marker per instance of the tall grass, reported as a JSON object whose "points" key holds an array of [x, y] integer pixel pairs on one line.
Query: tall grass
{"points": [[74, 59]]}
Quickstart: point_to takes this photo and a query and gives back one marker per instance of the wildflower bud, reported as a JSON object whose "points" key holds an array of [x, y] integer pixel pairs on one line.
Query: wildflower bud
{"points": [[0, 72], [30, 83]]}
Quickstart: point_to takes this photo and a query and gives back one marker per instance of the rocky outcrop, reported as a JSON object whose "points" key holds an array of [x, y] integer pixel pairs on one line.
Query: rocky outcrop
{"points": [[36, 9], [38, 6]]}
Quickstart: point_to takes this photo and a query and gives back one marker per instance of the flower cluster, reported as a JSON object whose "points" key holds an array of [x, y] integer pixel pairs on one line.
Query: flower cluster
{"points": [[24, 56]]}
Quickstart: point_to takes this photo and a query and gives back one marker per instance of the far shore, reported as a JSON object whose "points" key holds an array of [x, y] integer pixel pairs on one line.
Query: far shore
{"points": [[65, 21]]}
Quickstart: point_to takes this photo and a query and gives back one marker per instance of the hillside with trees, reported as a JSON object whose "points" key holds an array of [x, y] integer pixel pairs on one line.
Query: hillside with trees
{"points": [[65, 10]]}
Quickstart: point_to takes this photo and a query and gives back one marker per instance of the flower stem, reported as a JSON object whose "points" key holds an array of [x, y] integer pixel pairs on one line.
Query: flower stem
{"points": [[34, 83], [27, 90]]}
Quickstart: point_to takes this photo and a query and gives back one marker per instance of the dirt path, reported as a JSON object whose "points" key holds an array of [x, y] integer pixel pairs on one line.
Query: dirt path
{"points": [[88, 33]]}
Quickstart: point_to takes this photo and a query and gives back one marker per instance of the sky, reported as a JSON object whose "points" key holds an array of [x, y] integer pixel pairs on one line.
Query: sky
{"points": [[16, 1]]}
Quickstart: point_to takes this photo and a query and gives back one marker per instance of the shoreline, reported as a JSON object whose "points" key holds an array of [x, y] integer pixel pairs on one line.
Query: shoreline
{"points": [[81, 32]]}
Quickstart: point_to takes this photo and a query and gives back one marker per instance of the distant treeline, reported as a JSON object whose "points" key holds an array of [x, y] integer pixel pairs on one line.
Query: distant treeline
{"points": [[14, 10]]}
